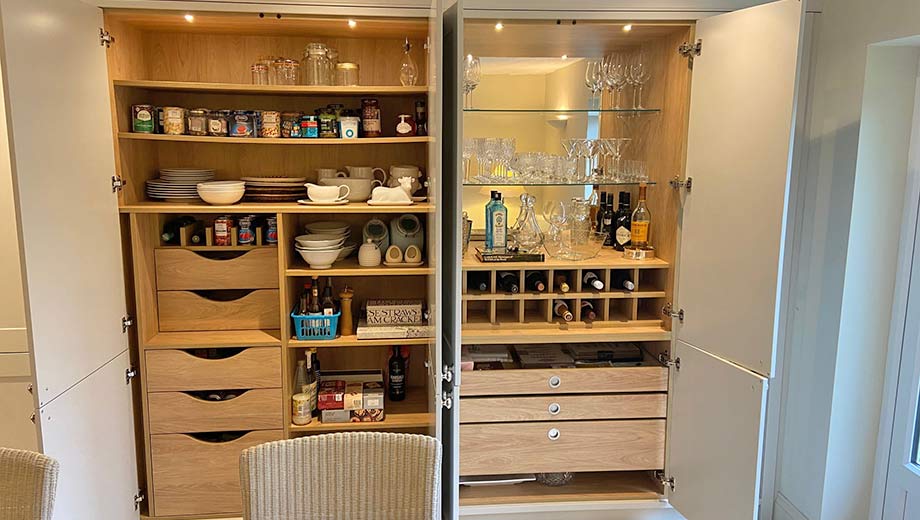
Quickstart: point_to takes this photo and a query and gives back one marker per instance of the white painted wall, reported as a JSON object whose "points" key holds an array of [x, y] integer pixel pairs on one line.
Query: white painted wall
{"points": [[835, 365]]}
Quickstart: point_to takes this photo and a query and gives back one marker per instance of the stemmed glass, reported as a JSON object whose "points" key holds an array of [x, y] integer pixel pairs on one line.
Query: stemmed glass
{"points": [[615, 146], [615, 77], [472, 75], [594, 80], [639, 74], [469, 149]]}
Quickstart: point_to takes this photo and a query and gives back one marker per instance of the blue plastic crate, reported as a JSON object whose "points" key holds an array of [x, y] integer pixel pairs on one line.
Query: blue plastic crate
{"points": [[315, 326]]}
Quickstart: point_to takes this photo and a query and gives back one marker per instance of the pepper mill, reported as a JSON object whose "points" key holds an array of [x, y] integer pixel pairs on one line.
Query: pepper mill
{"points": [[346, 323]]}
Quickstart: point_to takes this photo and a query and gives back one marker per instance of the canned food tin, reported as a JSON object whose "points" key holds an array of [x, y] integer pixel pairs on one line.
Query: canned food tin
{"points": [[288, 121], [223, 229], [174, 120], [142, 117], [271, 124], [309, 127], [198, 121], [241, 124]]}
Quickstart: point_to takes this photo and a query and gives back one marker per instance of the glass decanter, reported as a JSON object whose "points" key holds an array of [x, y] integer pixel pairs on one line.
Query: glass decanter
{"points": [[528, 236], [408, 70]]}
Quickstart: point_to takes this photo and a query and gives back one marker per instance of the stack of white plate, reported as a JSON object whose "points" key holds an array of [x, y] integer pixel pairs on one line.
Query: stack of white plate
{"points": [[335, 228], [222, 192], [320, 250], [179, 184]]}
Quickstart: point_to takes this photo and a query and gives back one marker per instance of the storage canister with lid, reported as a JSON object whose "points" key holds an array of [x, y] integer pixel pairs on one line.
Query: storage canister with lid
{"points": [[198, 121], [142, 119], [271, 124], [370, 116], [346, 74], [315, 64], [349, 124], [174, 120]]}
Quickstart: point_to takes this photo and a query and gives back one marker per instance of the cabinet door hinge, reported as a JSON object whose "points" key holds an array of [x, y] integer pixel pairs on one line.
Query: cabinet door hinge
{"points": [[447, 373], [130, 373], [668, 310], [138, 498], [666, 360], [126, 322], [691, 50], [677, 183], [447, 400], [105, 39], [665, 481], [118, 183]]}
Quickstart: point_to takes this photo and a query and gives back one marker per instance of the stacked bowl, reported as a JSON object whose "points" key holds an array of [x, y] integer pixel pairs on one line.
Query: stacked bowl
{"points": [[221, 192], [341, 229]]}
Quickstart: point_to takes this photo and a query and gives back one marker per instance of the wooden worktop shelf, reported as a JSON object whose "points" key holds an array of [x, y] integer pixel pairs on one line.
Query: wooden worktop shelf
{"points": [[271, 207], [287, 90], [353, 341], [274, 141], [583, 334], [606, 259], [409, 414], [350, 267], [621, 485], [215, 338]]}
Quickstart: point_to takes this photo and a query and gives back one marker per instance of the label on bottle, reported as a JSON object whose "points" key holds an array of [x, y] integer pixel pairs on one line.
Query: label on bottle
{"points": [[499, 236], [623, 236], [309, 390], [640, 232], [301, 413]]}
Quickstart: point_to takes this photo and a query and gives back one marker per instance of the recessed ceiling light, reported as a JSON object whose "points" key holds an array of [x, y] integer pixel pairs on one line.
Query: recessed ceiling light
{"points": [[352, 24], [565, 56], [189, 18], [499, 26], [627, 27]]}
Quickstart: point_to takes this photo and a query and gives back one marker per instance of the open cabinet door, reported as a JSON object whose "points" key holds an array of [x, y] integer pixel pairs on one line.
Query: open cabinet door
{"points": [[733, 231], [62, 156]]}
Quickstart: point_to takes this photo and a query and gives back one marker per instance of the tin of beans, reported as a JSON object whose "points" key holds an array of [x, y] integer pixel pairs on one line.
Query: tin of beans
{"points": [[271, 124], [174, 120]]}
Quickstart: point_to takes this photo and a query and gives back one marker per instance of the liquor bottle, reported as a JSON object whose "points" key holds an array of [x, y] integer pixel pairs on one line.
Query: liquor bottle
{"points": [[598, 219], [509, 282], [328, 302], [641, 220], [397, 376], [421, 117], [300, 377], [314, 297], [171, 229], [595, 202], [621, 280], [477, 281], [561, 309], [622, 236], [535, 281], [607, 222], [561, 283], [590, 279], [496, 223], [310, 388], [304, 307], [587, 311]]}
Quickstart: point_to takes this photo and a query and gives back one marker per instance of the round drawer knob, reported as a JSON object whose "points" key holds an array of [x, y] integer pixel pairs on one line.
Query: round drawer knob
{"points": [[553, 434], [554, 408], [555, 382]]}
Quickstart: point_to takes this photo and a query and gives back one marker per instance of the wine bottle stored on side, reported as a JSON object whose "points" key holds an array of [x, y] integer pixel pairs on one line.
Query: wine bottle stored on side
{"points": [[561, 309], [622, 280], [591, 280], [509, 282], [477, 281], [622, 225], [641, 220], [587, 311], [562, 283], [535, 281], [171, 229], [397, 376]]}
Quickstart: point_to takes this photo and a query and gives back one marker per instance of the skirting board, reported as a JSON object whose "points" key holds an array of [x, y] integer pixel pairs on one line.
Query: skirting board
{"points": [[618, 510]]}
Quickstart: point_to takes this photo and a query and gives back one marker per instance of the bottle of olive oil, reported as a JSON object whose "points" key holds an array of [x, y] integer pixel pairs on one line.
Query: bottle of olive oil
{"points": [[496, 223]]}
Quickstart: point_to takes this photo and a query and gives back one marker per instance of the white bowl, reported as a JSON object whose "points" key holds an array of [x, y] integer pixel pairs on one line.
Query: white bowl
{"points": [[221, 197], [323, 248], [222, 184], [328, 226], [347, 250], [320, 259], [319, 240]]}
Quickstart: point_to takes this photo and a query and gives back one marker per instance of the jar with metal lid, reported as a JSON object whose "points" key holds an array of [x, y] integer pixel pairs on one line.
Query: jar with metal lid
{"points": [[217, 123], [328, 123], [315, 64], [285, 72], [198, 121], [259, 73], [174, 120], [271, 124], [346, 74], [405, 126], [267, 62], [289, 120], [370, 117]]}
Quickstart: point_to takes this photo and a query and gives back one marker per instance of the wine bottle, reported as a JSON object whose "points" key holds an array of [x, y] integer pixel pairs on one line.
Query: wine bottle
{"points": [[561, 309], [535, 281], [314, 297], [561, 283], [622, 280], [622, 236], [310, 388], [509, 282], [477, 281], [641, 220], [590, 279], [304, 306], [607, 222], [328, 302], [397, 376], [171, 229], [587, 311]]}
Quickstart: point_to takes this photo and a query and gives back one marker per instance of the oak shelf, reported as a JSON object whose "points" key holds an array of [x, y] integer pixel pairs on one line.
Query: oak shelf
{"points": [[577, 333], [274, 141], [271, 207], [353, 341], [409, 414], [296, 90], [632, 485], [350, 267], [217, 338], [600, 295], [606, 259]]}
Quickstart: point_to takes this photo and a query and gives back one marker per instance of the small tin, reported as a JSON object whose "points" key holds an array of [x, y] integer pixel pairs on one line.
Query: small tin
{"points": [[309, 127], [271, 124], [198, 121], [245, 234], [271, 233], [639, 253], [328, 123], [158, 120], [142, 119], [288, 121], [174, 120], [241, 124]]}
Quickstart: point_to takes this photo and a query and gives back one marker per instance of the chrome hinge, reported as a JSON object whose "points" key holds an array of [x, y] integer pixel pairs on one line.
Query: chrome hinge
{"points": [[447, 401], [130, 373], [118, 183], [677, 184], [666, 360], [105, 39], [138, 498], [32, 417], [126, 322], [447, 373], [669, 311], [665, 481], [690, 50]]}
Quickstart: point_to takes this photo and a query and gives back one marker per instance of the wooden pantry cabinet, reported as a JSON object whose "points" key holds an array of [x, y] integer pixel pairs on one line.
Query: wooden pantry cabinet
{"points": [[128, 332]]}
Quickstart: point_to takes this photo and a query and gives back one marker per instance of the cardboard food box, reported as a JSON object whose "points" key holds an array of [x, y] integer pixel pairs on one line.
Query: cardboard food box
{"points": [[366, 331], [357, 396], [394, 312]]}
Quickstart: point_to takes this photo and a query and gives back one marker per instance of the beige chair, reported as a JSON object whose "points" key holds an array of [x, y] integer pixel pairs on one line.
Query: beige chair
{"points": [[343, 476], [27, 484]]}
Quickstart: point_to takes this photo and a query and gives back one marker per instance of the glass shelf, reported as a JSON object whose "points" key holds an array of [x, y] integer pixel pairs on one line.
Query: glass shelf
{"points": [[604, 183], [625, 111]]}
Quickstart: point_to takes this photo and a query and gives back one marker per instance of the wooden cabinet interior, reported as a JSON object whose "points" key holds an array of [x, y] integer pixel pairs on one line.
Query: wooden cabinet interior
{"points": [[216, 319]]}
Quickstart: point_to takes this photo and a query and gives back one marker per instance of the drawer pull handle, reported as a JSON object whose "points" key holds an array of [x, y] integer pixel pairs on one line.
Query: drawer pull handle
{"points": [[554, 408], [553, 434], [555, 382]]}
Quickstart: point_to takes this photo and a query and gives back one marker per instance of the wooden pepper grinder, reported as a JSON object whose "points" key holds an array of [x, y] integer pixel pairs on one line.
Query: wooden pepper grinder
{"points": [[346, 323]]}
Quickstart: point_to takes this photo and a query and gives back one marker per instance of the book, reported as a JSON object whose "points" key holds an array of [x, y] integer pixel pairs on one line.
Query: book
{"points": [[599, 352], [543, 356], [365, 331], [488, 256]]}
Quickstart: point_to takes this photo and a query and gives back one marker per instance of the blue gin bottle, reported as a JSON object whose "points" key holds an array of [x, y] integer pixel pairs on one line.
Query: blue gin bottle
{"points": [[496, 223]]}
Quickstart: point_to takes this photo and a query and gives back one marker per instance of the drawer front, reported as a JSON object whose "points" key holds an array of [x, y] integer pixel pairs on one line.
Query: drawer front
{"points": [[194, 477], [564, 381], [490, 449], [179, 269], [182, 311], [563, 407], [177, 412], [177, 370]]}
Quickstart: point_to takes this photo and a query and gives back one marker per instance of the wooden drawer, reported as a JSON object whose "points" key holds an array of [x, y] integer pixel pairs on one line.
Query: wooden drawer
{"points": [[182, 311], [490, 449], [177, 370], [183, 269], [177, 412], [194, 477], [563, 407], [564, 381]]}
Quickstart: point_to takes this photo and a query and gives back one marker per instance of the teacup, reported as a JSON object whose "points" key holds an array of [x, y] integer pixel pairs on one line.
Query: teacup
{"points": [[360, 189], [366, 172], [327, 194], [328, 173], [405, 170]]}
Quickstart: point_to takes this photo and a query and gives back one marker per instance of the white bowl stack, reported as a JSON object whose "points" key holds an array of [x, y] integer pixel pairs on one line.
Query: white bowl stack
{"points": [[319, 250], [178, 184], [221, 192], [331, 227]]}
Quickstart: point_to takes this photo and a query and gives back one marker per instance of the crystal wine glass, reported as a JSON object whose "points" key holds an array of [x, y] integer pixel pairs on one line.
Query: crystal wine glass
{"points": [[615, 78], [594, 80], [639, 75], [472, 76], [469, 148]]}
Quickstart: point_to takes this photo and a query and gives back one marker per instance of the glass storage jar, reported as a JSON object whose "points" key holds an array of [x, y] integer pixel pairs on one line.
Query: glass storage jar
{"points": [[259, 74], [332, 60], [314, 64], [198, 121], [285, 72], [267, 61], [346, 74]]}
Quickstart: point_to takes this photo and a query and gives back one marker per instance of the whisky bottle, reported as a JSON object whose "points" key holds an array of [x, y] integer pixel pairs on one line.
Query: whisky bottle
{"points": [[561, 309], [641, 220]]}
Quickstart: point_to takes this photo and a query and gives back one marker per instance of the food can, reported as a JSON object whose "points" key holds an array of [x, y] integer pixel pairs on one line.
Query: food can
{"points": [[217, 123], [309, 127], [142, 119], [174, 120], [241, 124], [288, 121], [245, 234], [370, 115], [198, 121], [271, 234], [223, 228], [271, 124]]}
